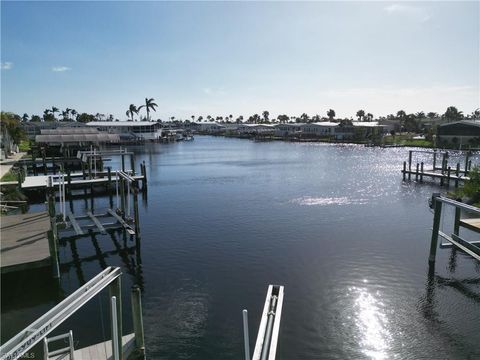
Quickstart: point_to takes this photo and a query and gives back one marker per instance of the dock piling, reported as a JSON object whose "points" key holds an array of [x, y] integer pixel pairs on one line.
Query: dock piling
{"points": [[136, 297], [115, 291], [437, 205], [421, 172], [404, 170], [416, 173]]}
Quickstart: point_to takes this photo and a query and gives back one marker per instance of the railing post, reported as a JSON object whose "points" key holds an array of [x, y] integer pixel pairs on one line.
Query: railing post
{"points": [[456, 224], [437, 205], [136, 297], [416, 173], [115, 291], [421, 171], [144, 182], [404, 170], [457, 173], [52, 233], [409, 165], [246, 338], [448, 176], [136, 217]]}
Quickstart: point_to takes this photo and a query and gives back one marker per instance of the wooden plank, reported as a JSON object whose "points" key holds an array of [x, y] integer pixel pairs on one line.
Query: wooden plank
{"points": [[471, 224], [24, 242], [75, 224], [103, 350], [121, 221], [96, 222]]}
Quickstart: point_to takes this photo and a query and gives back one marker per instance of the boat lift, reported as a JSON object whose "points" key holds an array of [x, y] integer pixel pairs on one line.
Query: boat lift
{"points": [[267, 338], [17, 346]]}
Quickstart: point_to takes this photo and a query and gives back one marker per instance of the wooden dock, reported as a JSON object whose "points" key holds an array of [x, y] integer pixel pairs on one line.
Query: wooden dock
{"points": [[471, 224], [24, 242], [40, 181], [103, 350]]}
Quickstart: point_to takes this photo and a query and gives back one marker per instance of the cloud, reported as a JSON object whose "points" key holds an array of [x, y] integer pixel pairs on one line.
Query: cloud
{"points": [[411, 11], [6, 65], [210, 91], [60, 68]]}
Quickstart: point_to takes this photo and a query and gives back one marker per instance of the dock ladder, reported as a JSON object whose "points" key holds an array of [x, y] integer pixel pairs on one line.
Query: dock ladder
{"points": [[61, 353]]}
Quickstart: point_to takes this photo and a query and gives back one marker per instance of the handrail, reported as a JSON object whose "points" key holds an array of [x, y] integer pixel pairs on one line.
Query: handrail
{"points": [[35, 332], [457, 204]]}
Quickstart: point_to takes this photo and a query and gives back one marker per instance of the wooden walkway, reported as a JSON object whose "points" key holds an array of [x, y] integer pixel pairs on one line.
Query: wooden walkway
{"points": [[24, 242], [471, 224], [103, 351], [40, 181]]}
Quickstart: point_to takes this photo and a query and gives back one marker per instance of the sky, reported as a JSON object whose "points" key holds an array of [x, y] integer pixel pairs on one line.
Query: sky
{"points": [[240, 58]]}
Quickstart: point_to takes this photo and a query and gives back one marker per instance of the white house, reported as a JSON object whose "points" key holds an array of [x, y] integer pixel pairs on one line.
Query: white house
{"points": [[288, 129], [209, 127], [146, 130], [320, 129]]}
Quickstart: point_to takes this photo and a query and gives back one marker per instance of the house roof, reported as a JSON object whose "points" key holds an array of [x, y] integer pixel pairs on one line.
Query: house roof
{"points": [[121, 123]]}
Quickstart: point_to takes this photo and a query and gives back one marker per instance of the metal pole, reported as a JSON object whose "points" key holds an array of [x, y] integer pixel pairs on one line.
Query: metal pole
{"points": [[436, 226], [456, 224], [116, 184], [135, 213], [246, 338], [421, 171], [404, 170], [113, 307], [115, 290]]}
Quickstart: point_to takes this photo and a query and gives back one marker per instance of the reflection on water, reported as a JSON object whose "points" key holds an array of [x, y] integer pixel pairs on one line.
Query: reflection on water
{"points": [[227, 217], [372, 323]]}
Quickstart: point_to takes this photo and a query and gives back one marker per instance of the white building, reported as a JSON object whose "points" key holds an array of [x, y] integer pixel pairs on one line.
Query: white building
{"points": [[288, 129], [256, 129], [320, 129], [209, 127], [146, 130]]}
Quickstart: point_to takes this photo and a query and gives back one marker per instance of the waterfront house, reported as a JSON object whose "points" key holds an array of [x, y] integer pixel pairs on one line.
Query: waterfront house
{"points": [[34, 128], [256, 129], [318, 129], [288, 129], [459, 133], [130, 130], [208, 127]]}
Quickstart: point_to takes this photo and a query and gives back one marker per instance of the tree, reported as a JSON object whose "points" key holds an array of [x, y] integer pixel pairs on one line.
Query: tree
{"points": [[149, 105], [25, 117], [209, 118], [452, 114], [331, 114], [132, 109], [200, 118], [47, 116], [265, 115], [304, 117], [53, 111], [239, 119], [84, 118], [360, 114], [401, 114], [282, 119], [74, 113], [193, 117], [230, 117], [432, 115], [35, 118], [10, 122], [369, 117], [65, 115]]}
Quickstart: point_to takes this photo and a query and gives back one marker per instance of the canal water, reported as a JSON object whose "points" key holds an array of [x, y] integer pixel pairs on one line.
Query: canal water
{"points": [[224, 218]]}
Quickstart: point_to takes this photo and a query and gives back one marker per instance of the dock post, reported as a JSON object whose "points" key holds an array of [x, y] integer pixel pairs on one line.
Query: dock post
{"points": [[434, 160], [448, 176], [44, 160], [122, 196], [69, 181], [457, 173], [246, 337], [138, 320], [132, 163], [404, 170], [109, 175], [136, 217], [144, 182], [410, 165], [456, 224], [52, 233], [467, 155], [123, 162], [421, 172], [115, 290], [444, 165], [437, 205], [416, 172]]}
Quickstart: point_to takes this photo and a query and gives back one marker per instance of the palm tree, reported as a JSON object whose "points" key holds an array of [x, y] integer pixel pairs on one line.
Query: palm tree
{"points": [[265, 115], [200, 118], [25, 117], [68, 110], [132, 109], [360, 114], [209, 117], [331, 114], [230, 117], [452, 114], [65, 115], [369, 117], [401, 114], [53, 111], [193, 118], [74, 113], [149, 105]]}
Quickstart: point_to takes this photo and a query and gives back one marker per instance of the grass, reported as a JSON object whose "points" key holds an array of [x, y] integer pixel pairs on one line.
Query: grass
{"points": [[9, 176], [406, 139]]}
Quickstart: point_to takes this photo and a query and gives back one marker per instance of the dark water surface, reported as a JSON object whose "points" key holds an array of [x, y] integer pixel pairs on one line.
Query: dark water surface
{"points": [[226, 217]]}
